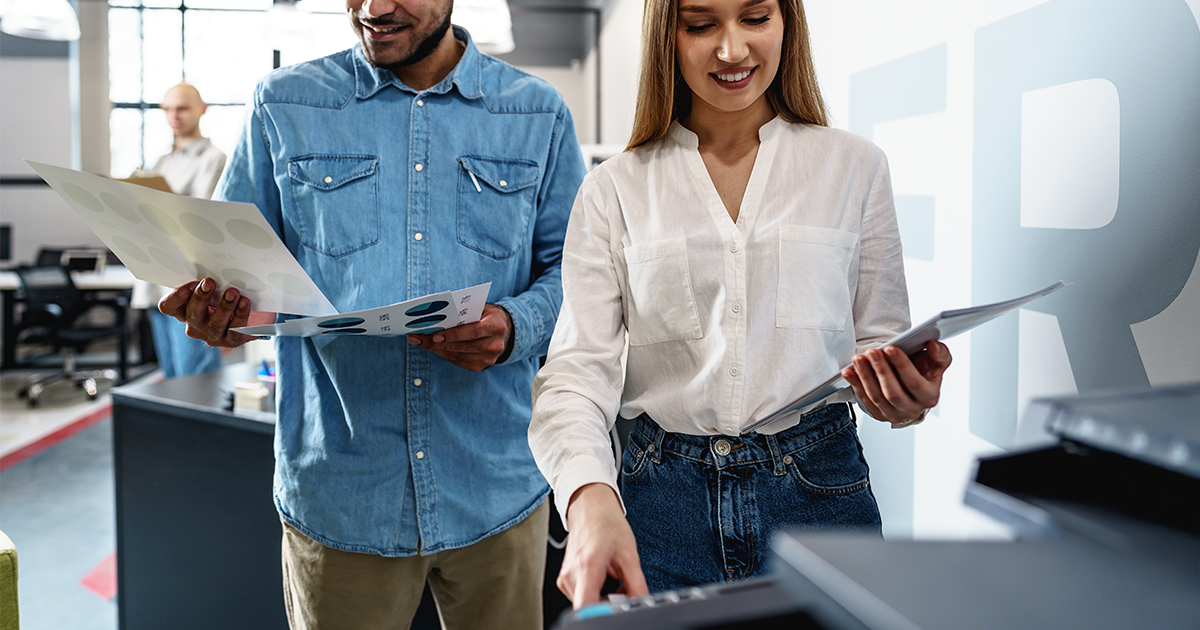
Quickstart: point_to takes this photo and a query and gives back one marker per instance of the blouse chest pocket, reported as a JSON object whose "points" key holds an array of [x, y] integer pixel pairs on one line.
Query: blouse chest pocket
{"points": [[814, 286], [336, 202], [495, 200], [661, 305]]}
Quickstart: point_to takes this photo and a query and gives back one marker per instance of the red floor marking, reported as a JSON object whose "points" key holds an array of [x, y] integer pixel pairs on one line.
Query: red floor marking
{"points": [[37, 446], [102, 579]]}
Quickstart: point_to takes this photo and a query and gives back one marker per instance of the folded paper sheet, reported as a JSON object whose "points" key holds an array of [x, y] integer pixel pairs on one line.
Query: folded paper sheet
{"points": [[423, 315], [170, 240], [944, 325]]}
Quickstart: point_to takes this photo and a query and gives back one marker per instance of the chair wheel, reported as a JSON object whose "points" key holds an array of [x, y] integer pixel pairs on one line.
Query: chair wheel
{"points": [[23, 392]]}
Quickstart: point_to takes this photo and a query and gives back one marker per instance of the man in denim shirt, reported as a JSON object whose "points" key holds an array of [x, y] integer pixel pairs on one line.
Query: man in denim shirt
{"points": [[407, 165]]}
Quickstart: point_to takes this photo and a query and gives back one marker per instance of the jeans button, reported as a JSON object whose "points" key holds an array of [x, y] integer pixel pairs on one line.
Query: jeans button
{"points": [[721, 447]]}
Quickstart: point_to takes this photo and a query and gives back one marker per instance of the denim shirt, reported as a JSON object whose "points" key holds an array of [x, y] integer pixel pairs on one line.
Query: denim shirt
{"points": [[385, 194]]}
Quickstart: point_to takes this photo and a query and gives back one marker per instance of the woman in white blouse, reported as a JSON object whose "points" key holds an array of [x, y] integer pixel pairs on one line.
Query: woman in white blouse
{"points": [[742, 251]]}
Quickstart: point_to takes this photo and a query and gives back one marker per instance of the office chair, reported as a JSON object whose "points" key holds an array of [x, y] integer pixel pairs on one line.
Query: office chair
{"points": [[57, 315]]}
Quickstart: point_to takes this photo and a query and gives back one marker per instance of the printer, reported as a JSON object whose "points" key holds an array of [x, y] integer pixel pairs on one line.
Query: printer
{"points": [[1107, 522]]}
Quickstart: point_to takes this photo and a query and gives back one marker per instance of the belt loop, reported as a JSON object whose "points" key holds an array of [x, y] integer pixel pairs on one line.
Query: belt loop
{"points": [[658, 443], [655, 436], [776, 455]]}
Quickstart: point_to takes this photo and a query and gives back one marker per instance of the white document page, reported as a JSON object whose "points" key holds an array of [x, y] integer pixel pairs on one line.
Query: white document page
{"points": [[944, 325], [424, 315], [170, 240]]}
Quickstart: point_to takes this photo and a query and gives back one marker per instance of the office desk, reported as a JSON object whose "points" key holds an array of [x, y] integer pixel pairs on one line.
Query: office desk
{"points": [[197, 532], [198, 538], [112, 278]]}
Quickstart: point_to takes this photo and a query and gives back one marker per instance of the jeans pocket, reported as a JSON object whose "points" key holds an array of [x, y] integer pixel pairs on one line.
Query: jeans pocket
{"points": [[495, 201], [833, 465], [336, 202]]}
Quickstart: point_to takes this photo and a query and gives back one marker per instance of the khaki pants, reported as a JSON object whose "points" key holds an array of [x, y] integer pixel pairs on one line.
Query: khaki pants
{"points": [[494, 583]]}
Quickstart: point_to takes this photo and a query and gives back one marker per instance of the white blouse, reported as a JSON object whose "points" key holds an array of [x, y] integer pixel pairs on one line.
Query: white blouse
{"points": [[725, 322]]}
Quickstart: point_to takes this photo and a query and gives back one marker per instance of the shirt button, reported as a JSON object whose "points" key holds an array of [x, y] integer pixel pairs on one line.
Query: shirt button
{"points": [[734, 248], [420, 454], [733, 371], [328, 180], [417, 382], [420, 103], [419, 167], [737, 308], [721, 447], [418, 236], [503, 183]]}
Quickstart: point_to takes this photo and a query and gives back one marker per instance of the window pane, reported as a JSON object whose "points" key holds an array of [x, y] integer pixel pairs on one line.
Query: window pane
{"points": [[168, 4], [125, 131], [226, 54], [332, 33], [124, 3], [124, 56], [158, 136], [162, 50], [223, 125], [257, 5]]}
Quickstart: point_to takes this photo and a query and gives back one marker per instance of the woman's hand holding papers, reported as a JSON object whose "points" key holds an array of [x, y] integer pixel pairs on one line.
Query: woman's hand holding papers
{"points": [[895, 388], [193, 305]]}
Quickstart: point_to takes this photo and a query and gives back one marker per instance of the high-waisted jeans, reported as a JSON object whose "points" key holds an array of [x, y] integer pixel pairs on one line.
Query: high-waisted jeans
{"points": [[704, 508]]}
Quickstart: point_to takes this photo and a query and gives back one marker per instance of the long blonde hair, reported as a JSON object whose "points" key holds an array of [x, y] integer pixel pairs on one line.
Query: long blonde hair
{"points": [[663, 96]]}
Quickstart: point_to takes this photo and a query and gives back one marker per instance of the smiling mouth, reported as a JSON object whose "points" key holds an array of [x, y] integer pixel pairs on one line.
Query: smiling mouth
{"points": [[733, 77], [383, 29]]}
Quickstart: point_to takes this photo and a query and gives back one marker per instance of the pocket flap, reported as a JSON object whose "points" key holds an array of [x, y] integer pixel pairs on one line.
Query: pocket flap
{"points": [[503, 175], [327, 172]]}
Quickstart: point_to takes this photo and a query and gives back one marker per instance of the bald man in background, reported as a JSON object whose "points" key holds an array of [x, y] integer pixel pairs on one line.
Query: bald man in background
{"points": [[192, 168]]}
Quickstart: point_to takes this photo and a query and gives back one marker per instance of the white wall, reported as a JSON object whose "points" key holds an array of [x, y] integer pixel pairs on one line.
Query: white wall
{"points": [[1029, 141]]}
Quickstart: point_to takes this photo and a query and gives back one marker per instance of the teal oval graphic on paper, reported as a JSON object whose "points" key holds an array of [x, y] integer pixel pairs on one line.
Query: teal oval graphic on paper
{"points": [[426, 321], [202, 228], [83, 197], [249, 234], [341, 322], [427, 308], [345, 331]]}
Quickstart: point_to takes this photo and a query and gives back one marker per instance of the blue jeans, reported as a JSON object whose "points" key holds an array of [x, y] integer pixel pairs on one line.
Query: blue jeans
{"points": [[704, 508]]}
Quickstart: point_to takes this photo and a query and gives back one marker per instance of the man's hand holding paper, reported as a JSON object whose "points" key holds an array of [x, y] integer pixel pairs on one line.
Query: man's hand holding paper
{"points": [[211, 319]]}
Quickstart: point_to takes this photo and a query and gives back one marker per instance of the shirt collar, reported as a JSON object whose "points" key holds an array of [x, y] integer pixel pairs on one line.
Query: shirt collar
{"points": [[195, 147], [688, 138], [466, 75]]}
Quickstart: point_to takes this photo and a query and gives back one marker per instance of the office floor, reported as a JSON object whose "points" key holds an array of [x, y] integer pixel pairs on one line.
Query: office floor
{"points": [[56, 500]]}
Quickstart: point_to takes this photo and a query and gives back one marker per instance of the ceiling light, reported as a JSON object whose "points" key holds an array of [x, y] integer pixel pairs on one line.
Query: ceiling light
{"points": [[41, 19]]}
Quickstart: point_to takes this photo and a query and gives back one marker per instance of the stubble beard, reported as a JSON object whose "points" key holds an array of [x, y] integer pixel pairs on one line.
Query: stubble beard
{"points": [[423, 49]]}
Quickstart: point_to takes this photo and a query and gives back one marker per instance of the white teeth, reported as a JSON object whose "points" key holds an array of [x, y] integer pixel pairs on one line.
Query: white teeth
{"points": [[733, 78], [391, 29]]}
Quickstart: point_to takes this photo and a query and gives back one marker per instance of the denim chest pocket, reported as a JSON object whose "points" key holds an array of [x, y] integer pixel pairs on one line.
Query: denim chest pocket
{"points": [[661, 305], [814, 268], [495, 201], [336, 201]]}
